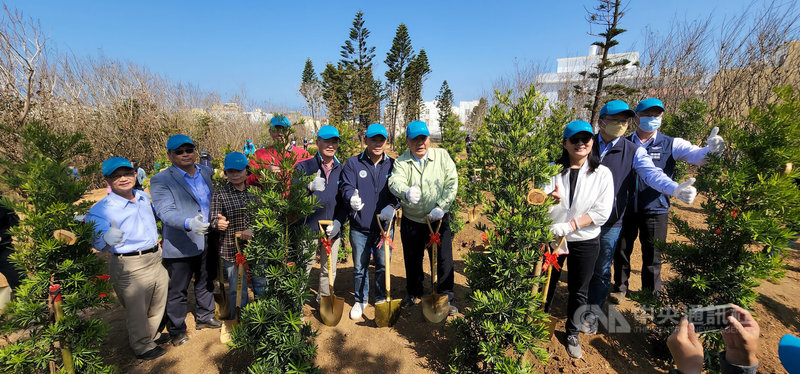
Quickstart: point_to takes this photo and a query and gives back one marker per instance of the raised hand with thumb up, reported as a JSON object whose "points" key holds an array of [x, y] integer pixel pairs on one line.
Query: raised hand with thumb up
{"points": [[414, 194], [197, 226], [113, 235], [355, 202], [222, 222], [715, 142], [318, 184], [685, 191]]}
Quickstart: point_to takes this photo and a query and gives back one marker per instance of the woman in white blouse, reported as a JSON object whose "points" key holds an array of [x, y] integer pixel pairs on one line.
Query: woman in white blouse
{"points": [[584, 192]]}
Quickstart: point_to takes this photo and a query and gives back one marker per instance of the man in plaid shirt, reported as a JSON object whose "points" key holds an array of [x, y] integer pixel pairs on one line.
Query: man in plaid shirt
{"points": [[230, 215]]}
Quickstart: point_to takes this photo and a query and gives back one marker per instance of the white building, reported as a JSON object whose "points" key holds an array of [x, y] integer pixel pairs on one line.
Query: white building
{"points": [[429, 114], [558, 86]]}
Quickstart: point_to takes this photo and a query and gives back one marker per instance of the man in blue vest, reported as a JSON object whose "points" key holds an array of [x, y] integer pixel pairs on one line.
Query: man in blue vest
{"points": [[626, 160], [647, 213], [365, 187], [325, 186]]}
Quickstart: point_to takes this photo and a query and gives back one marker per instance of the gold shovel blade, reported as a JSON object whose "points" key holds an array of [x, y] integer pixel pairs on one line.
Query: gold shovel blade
{"points": [[330, 309], [387, 312], [435, 307]]}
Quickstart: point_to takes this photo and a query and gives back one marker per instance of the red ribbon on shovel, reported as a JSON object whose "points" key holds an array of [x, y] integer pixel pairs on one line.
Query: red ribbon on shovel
{"points": [[386, 238], [327, 243], [550, 259], [435, 238], [240, 260]]}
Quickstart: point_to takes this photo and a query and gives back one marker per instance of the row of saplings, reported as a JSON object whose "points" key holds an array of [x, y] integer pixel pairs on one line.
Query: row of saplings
{"points": [[751, 201]]}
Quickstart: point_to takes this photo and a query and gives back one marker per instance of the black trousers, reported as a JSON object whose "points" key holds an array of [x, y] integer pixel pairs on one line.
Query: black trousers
{"points": [[13, 276], [181, 271], [415, 237], [581, 259], [647, 227]]}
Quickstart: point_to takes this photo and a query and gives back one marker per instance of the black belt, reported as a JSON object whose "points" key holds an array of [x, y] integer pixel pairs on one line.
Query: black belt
{"points": [[138, 253]]}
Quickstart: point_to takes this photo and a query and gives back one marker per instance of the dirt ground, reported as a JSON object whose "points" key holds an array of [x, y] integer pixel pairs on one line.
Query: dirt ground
{"points": [[415, 346]]}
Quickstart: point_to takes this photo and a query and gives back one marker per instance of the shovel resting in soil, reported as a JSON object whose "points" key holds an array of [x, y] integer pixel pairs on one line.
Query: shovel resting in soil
{"points": [[387, 311], [435, 307], [330, 307]]}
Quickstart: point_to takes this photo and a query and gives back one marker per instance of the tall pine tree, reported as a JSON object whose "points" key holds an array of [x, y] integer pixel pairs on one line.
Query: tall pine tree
{"points": [[444, 105], [413, 78], [356, 61], [311, 90], [397, 60]]}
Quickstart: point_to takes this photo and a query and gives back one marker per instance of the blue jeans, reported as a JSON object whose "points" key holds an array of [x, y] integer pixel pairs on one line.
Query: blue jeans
{"points": [[231, 271], [601, 279], [363, 246]]}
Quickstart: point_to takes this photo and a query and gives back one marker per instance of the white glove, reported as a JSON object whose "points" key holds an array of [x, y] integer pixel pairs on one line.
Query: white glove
{"points": [[715, 142], [561, 229], [114, 235], [318, 184], [355, 202], [333, 229], [414, 194], [436, 214], [685, 191], [197, 226], [387, 213]]}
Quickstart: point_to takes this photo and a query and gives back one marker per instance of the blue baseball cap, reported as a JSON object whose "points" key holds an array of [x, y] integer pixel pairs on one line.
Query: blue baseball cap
{"points": [[376, 129], [416, 128], [236, 161], [176, 141], [249, 141], [280, 121], [616, 107], [327, 132], [115, 163], [575, 127], [789, 353], [649, 103]]}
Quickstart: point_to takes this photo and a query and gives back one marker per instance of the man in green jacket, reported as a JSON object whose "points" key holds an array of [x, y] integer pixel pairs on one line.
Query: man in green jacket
{"points": [[426, 181]]}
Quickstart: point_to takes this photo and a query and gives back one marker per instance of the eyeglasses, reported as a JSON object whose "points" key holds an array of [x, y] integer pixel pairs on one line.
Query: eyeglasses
{"points": [[181, 151], [580, 139]]}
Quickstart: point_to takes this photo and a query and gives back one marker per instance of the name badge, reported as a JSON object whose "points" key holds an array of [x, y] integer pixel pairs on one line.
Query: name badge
{"points": [[656, 156]]}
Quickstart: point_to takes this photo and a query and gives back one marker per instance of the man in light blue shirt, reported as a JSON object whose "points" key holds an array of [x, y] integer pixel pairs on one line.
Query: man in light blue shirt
{"points": [[182, 196], [626, 161], [126, 227]]}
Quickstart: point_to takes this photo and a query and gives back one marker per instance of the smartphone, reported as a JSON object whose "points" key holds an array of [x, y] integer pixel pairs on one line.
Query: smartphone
{"points": [[710, 318]]}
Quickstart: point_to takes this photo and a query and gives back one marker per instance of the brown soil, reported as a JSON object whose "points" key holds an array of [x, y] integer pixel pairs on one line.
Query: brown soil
{"points": [[415, 346]]}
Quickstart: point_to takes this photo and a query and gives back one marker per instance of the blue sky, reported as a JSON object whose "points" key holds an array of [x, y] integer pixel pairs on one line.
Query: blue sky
{"points": [[261, 46]]}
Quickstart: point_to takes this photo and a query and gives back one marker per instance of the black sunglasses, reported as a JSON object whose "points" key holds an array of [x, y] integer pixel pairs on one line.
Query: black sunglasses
{"points": [[585, 139], [181, 151]]}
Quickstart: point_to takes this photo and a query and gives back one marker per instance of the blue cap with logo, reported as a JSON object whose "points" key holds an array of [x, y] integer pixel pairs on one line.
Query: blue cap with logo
{"points": [[236, 161], [649, 103], [616, 107], [376, 129], [417, 128], [327, 132], [575, 127], [115, 163], [280, 121], [176, 141]]}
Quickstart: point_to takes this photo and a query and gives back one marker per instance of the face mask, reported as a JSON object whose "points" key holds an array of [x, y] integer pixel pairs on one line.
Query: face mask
{"points": [[649, 124], [616, 129]]}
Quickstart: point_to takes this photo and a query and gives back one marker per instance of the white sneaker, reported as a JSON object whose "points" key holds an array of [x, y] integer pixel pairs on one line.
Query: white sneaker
{"points": [[357, 310]]}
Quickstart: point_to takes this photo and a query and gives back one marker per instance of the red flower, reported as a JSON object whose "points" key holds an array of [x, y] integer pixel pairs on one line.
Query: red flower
{"points": [[718, 231], [485, 238], [102, 295], [103, 277], [290, 264]]}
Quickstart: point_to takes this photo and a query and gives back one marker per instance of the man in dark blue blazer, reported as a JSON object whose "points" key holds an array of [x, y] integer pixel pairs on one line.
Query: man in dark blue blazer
{"points": [[182, 197]]}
